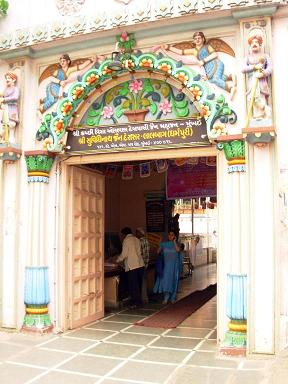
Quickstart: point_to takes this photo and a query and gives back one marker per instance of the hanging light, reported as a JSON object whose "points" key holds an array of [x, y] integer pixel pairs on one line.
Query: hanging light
{"points": [[115, 64]]}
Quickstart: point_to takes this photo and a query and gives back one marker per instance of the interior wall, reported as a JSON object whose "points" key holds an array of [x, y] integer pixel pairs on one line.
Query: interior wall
{"points": [[125, 200], [112, 204]]}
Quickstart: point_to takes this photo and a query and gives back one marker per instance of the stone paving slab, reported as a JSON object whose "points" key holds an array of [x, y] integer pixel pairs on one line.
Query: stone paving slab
{"points": [[67, 344], [145, 372], [90, 365], [161, 355], [114, 350], [17, 374], [65, 378], [174, 342]]}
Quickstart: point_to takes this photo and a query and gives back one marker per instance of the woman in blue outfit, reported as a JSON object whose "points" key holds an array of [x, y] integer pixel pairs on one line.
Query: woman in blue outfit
{"points": [[204, 55], [168, 282]]}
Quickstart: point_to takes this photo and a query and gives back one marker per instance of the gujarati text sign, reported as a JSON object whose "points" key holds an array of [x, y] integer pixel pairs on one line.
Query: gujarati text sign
{"points": [[138, 136]]}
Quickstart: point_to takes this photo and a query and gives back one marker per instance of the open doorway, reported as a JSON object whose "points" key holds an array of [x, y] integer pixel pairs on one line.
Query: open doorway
{"points": [[145, 194]]}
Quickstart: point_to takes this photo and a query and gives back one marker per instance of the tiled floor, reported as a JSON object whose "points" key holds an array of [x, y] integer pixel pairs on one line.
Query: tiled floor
{"points": [[114, 350]]}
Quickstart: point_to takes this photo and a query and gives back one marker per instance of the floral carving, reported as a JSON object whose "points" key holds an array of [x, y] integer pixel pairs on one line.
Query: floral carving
{"points": [[69, 7]]}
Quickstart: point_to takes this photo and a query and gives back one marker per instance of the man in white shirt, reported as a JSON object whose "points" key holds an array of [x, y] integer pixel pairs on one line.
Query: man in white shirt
{"points": [[134, 265]]}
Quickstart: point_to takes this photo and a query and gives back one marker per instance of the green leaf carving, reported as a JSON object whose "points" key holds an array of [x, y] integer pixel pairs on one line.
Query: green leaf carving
{"points": [[220, 99], [153, 108], [181, 104], [124, 91], [182, 112], [91, 121], [109, 97], [93, 113], [119, 111], [145, 102], [126, 104], [165, 91], [226, 111], [148, 86]]}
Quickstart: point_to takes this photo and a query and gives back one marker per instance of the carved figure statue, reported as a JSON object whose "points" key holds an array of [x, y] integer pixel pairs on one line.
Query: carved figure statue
{"points": [[258, 66], [64, 74], [203, 54], [9, 108]]}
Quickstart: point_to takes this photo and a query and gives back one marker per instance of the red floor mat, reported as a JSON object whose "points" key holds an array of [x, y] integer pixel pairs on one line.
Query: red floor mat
{"points": [[173, 314]]}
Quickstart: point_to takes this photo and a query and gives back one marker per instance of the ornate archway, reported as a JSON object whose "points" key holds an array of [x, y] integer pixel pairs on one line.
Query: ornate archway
{"points": [[150, 69]]}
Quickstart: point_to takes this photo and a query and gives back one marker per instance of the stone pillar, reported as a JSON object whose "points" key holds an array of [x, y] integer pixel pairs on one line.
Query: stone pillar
{"points": [[262, 295], [9, 234], [36, 292], [259, 132], [233, 259]]}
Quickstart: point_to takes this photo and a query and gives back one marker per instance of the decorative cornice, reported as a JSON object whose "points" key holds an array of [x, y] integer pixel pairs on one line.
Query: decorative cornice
{"points": [[86, 25], [260, 136], [226, 138], [9, 153], [256, 11]]}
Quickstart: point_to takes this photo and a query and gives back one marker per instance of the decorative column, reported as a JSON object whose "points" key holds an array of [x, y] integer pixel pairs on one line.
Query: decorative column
{"points": [[233, 263], [36, 292], [259, 132], [236, 309]]}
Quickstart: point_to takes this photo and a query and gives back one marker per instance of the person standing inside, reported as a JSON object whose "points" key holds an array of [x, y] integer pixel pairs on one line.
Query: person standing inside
{"points": [[174, 225], [168, 282], [145, 251], [134, 265]]}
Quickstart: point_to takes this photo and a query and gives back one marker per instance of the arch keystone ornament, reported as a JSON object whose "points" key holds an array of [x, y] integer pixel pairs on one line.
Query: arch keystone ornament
{"points": [[36, 290], [136, 70]]}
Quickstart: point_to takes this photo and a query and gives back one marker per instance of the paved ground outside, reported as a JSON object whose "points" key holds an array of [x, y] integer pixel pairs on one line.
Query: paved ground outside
{"points": [[113, 351]]}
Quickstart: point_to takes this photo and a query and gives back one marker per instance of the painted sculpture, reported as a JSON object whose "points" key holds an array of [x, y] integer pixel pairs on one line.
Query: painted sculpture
{"points": [[9, 108], [205, 55], [167, 94], [258, 67], [60, 77]]}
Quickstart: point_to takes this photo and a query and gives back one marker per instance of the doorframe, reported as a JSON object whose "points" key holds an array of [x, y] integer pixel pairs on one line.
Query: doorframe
{"points": [[65, 234]]}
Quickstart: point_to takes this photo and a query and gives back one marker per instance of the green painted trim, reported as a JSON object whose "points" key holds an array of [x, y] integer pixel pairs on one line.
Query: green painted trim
{"points": [[257, 11], [92, 41]]}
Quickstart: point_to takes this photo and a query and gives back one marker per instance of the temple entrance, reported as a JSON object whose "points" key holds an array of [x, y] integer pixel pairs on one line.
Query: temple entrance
{"points": [[107, 196]]}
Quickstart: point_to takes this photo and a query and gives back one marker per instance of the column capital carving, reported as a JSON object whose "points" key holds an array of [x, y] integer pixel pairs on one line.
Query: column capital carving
{"points": [[39, 164], [234, 150]]}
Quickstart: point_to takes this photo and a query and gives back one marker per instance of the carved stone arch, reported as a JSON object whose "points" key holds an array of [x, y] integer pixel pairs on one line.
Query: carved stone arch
{"points": [[95, 81]]}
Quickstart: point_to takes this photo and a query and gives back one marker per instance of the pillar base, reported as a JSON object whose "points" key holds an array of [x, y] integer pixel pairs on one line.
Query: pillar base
{"points": [[233, 351], [235, 339], [234, 343], [37, 323]]}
